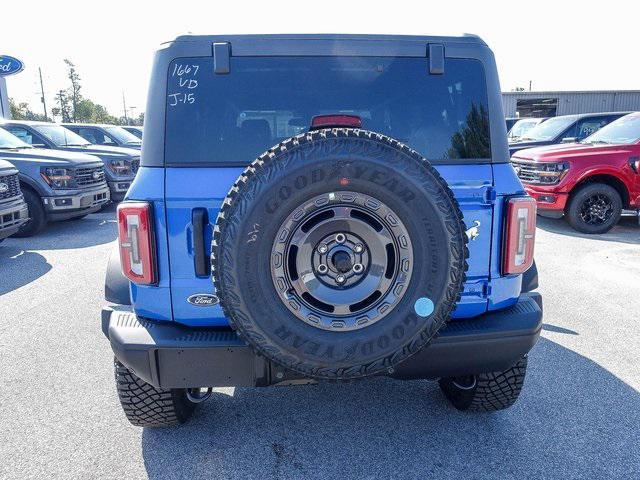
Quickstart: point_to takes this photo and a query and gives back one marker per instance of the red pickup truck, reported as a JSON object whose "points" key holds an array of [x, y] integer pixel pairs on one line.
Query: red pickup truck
{"points": [[591, 182]]}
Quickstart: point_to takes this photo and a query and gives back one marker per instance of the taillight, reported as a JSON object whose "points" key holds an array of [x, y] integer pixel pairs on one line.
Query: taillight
{"points": [[135, 236], [520, 235]]}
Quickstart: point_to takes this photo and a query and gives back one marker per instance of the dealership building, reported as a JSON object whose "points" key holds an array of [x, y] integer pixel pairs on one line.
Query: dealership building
{"points": [[552, 103]]}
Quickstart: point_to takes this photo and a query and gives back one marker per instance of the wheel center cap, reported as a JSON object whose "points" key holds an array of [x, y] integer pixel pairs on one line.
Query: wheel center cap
{"points": [[342, 261]]}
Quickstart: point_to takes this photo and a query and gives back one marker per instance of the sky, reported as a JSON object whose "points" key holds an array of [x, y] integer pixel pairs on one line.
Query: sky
{"points": [[570, 45]]}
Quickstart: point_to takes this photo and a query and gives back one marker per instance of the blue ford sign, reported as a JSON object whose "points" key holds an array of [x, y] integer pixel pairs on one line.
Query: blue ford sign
{"points": [[9, 65]]}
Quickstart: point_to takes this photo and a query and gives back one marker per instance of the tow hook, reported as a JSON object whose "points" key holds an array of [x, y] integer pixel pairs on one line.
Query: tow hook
{"points": [[199, 395], [473, 232]]}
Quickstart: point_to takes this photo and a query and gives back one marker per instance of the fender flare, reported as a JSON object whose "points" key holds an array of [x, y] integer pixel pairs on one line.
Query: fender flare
{"points": [[32, 183], [116, 285]]}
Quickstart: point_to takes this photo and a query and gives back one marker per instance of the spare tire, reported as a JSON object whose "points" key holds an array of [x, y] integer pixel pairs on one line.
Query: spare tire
{"points": [[339, 253]]}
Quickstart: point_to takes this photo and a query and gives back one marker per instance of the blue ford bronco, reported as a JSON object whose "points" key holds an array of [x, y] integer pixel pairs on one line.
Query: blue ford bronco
{"points": [[322, 208]]}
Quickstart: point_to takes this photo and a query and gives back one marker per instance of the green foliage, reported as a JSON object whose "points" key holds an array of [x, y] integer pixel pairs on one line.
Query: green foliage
{"points": [[89, 112], [21, 111], [74, 90], [63, 109]]}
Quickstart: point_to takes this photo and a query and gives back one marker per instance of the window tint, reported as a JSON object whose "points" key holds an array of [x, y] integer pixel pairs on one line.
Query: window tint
{"points": [[22, 133], [95, 136], [234, 118], [589, 126]]}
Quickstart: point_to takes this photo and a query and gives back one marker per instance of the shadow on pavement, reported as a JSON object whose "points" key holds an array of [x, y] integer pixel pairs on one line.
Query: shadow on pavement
{"points": [[575, 419], [19, 267], [627, 230], [557, 329], [95, 229]]}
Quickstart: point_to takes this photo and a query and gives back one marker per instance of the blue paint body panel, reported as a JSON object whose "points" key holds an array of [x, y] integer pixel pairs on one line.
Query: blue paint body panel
{"points": [[153, 301], [186, 189], [176, 192]]}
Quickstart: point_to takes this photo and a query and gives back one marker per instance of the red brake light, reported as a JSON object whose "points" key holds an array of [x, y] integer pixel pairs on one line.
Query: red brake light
{"points": [[520, 235], [135, 237], [330, 121]]}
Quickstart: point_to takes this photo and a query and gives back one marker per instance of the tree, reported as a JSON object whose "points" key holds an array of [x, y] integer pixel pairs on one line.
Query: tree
{"points": [[63, 107], [89, 112], [21, 111], [140, 120], [74, 90]]}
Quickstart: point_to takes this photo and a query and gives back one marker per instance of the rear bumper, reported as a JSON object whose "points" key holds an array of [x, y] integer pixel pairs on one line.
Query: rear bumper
{"points": [[63, 207], [167, 355], [12, 215]]}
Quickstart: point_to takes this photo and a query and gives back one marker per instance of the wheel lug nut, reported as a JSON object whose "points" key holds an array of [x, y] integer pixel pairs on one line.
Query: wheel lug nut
{"points": [[322, 248], [358, 248], [358, 268], [341, 238], [322, 268], [340, 279]]}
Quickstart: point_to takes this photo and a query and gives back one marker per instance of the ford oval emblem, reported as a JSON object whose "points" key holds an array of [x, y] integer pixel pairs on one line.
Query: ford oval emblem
{"points": [[203, 300], [9, 65], [4, 187]]}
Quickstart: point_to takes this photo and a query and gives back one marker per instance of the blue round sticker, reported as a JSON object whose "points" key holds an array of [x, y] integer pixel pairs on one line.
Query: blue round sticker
{"points": [[423, 307]]}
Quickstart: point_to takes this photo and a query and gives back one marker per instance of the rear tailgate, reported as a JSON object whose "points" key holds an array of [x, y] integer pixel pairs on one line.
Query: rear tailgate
{"points": [[189, 190]]}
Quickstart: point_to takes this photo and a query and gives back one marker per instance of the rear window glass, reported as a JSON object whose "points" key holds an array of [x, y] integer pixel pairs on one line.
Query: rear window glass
{"points": [[233, 118]]}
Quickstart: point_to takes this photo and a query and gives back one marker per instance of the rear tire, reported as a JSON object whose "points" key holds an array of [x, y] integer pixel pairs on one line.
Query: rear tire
{"points": [[37, 215], [486, 392], [600, 198], [147, 406]]}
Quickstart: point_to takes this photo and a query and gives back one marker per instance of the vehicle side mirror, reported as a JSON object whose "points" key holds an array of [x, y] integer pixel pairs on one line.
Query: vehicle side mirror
{"points": [[570, 140]]}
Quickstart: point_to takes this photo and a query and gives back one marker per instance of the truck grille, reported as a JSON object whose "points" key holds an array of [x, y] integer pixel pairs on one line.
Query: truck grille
{"points": [[86, 177], [527, 172], [135, 165], [13, 184]]}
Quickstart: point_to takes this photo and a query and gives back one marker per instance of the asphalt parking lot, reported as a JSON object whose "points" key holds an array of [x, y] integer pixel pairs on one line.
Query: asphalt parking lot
{"points": [[577, 418]]}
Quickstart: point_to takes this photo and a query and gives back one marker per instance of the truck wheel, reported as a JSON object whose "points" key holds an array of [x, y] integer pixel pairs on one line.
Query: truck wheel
{"points": [[339, 253], [594, 208], [147, 406], [486, 392], [37, 216]]}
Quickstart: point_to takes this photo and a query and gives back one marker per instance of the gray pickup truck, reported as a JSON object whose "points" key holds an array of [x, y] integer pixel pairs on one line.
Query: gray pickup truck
{"points": [[121, 164], [109, 135], [13, 209], [56, 185]]}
